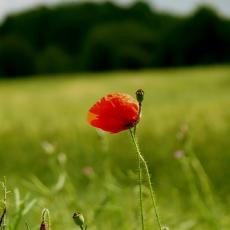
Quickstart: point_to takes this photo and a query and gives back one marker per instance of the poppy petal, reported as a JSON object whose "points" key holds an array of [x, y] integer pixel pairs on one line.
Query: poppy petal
{"points": [[114, 113]]}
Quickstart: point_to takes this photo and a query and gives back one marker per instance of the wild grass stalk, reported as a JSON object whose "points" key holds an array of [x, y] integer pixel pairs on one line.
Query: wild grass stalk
{"points": [[27, 226], [208, 198], [202, 175], [194, 170]]}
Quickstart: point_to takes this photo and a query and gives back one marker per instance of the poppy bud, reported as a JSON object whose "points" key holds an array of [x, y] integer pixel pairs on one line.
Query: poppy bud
{"points": [[140, 95], [78, 219], [43, 226], [45, 222]]}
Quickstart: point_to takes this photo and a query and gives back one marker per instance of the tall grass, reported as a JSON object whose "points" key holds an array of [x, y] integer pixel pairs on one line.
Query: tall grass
{"points": [[96, 174]]}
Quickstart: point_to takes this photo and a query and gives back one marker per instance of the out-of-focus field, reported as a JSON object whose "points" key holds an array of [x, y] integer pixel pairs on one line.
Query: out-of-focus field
{"points": [[101, 169]]}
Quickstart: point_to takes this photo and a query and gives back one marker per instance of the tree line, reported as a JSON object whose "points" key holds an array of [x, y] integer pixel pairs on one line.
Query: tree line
{"points": [[97, 37]]}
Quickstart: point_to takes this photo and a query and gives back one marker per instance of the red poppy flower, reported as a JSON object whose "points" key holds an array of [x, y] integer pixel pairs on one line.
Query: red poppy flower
{"points": [[114, 113]]}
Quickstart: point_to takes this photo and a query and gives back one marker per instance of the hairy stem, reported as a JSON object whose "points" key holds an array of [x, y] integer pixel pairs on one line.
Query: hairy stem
{"points": [[149, 180], [140, 183]]}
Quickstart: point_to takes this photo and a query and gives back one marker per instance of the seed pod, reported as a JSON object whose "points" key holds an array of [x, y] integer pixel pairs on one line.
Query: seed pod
{"points": [[140, 95], [78, 219]]}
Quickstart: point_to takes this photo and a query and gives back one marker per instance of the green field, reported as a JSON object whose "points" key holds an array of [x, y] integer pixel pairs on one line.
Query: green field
{"points": [[99, 176]]}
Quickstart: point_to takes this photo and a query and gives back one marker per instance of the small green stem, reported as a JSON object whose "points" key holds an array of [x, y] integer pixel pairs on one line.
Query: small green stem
{"points": [[4, 204], [139, 115], [149, 180], [27, 226], [2, 216]]}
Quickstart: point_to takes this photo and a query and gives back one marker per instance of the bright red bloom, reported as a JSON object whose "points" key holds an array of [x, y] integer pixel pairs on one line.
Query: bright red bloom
{"points": [[114, 113]]}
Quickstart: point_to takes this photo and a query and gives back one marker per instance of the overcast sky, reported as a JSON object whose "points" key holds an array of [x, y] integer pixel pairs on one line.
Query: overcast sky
{"points": [[173, 6]]}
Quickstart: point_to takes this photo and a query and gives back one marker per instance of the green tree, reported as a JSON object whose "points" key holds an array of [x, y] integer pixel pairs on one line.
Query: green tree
{"points": [[16, 57], [53, 60], [127, 45]]}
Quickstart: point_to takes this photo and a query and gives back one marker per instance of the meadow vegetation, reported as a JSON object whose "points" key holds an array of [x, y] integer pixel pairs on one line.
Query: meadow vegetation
{"points": [[53, 159]]}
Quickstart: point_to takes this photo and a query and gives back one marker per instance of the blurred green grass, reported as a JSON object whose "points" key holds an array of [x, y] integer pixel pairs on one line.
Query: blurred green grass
{"points": [[54, 109]]}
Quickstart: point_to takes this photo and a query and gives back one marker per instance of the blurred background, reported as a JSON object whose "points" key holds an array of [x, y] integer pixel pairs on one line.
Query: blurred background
{"points": [[57, 58], [47, 37]]}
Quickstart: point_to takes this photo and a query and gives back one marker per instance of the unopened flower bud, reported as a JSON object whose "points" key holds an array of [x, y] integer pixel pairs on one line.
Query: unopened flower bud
{"points": [[78, 219], [43, 226], [45, 222], [140, 95]]}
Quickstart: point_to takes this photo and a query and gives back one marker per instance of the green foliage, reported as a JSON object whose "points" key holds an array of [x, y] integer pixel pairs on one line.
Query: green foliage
{"points": [[130, 48], [199, 39], [48, 149], [16, 57], [90, 36], [53, 60]]}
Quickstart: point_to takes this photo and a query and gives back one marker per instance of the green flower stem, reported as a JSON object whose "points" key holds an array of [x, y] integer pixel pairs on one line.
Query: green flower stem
{"points": [[149, 179], [140, 183]]}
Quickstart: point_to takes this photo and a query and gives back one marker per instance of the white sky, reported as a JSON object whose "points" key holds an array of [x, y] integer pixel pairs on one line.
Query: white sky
{"points": [[173, 6]]}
